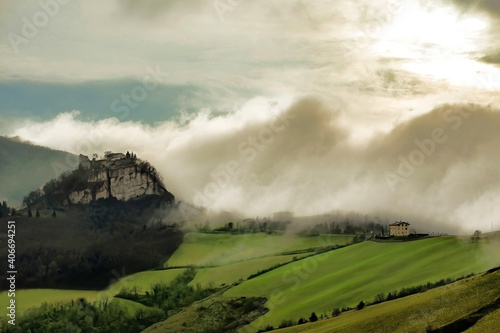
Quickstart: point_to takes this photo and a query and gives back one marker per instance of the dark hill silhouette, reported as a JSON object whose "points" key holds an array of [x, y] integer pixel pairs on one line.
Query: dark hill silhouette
{"points": [[25, 166], [86, 245]]}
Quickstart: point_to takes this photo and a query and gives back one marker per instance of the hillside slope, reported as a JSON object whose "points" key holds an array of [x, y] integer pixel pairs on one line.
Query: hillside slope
{"points": [[431, 311], [344, 277], [25, 167]]}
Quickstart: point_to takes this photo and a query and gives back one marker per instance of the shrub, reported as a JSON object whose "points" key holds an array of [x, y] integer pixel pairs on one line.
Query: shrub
{"points": [[336, 312]]}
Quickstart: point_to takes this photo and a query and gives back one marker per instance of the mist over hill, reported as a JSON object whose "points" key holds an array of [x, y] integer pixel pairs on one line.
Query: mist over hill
{"points": [[436, 168]]}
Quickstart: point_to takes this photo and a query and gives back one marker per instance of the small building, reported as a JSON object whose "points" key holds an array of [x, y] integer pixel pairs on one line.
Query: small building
{"points": [[399, 228]]}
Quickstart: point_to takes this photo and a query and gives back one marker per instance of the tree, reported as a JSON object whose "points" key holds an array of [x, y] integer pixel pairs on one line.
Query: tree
{"points": [[301, 321], [335, 312], [313, 317], [360, 305], [477, 235], [29, 213], [4, 209], [37, 213], [380, 298]]}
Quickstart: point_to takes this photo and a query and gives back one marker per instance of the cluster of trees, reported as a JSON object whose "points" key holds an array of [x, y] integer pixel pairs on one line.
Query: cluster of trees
{"points": [[56, 191], [6, 210], [104, 316], [347, 227], [252, 226], [171, 296], [82, 316], [476, 236], [81, 255]]}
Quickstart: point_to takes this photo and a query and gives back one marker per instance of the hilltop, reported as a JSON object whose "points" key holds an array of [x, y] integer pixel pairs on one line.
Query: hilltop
{"points": [[117, 176], [469, 305]]}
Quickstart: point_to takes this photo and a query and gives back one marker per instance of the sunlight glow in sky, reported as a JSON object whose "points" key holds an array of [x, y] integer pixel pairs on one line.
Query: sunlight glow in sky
{"points": [[365, 80]]}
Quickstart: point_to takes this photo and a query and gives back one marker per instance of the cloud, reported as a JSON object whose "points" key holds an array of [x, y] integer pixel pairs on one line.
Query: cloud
{"points": [[272, 155], [493, 58], [491, 7], [154, 8]]}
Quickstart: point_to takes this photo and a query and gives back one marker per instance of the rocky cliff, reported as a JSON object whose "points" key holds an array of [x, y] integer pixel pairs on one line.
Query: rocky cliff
{"points": [[118, 176]]}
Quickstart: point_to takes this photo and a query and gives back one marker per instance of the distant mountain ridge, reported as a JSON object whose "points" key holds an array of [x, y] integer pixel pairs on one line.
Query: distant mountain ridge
{"points": [[25, 166]]}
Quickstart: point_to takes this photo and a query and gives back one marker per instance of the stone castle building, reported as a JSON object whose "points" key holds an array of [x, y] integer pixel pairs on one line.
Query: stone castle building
{"points": [[118, 175]]}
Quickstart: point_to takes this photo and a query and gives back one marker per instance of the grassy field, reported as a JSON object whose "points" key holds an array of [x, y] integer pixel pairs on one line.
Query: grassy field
{"points": [[231, 273], [130, 306], [144, 280], [432, 309], [319, 283], [29, 298], [488, 323], [348, 275], [221, 249]]}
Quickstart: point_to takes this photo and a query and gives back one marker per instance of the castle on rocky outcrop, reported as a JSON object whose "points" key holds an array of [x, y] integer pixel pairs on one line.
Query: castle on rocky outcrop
{"points": [[118, 175], [110, 159]]}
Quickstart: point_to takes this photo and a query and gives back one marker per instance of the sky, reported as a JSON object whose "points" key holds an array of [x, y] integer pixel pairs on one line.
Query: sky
{"points": [[382, 107]]}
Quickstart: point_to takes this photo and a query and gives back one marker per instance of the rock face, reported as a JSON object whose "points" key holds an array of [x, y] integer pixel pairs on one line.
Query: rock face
{"points": [[123, 177]]}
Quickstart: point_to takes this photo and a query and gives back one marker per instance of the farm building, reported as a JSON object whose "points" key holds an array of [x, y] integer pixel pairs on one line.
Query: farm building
{"points": [[399, 228]]}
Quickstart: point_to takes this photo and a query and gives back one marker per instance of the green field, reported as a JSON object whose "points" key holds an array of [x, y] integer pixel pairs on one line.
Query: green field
{"points": [[220, 249], [488, 323], [348, 275], [29, 298], [144, 280], [318, 283], [432, 309], [231, 273]]}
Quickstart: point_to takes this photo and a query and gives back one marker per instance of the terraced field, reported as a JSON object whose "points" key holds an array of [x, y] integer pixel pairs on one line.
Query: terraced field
{"points": [[221, 249], [348, 275], [231, 273], [304, 282], [203, 246], [431, 310]]}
